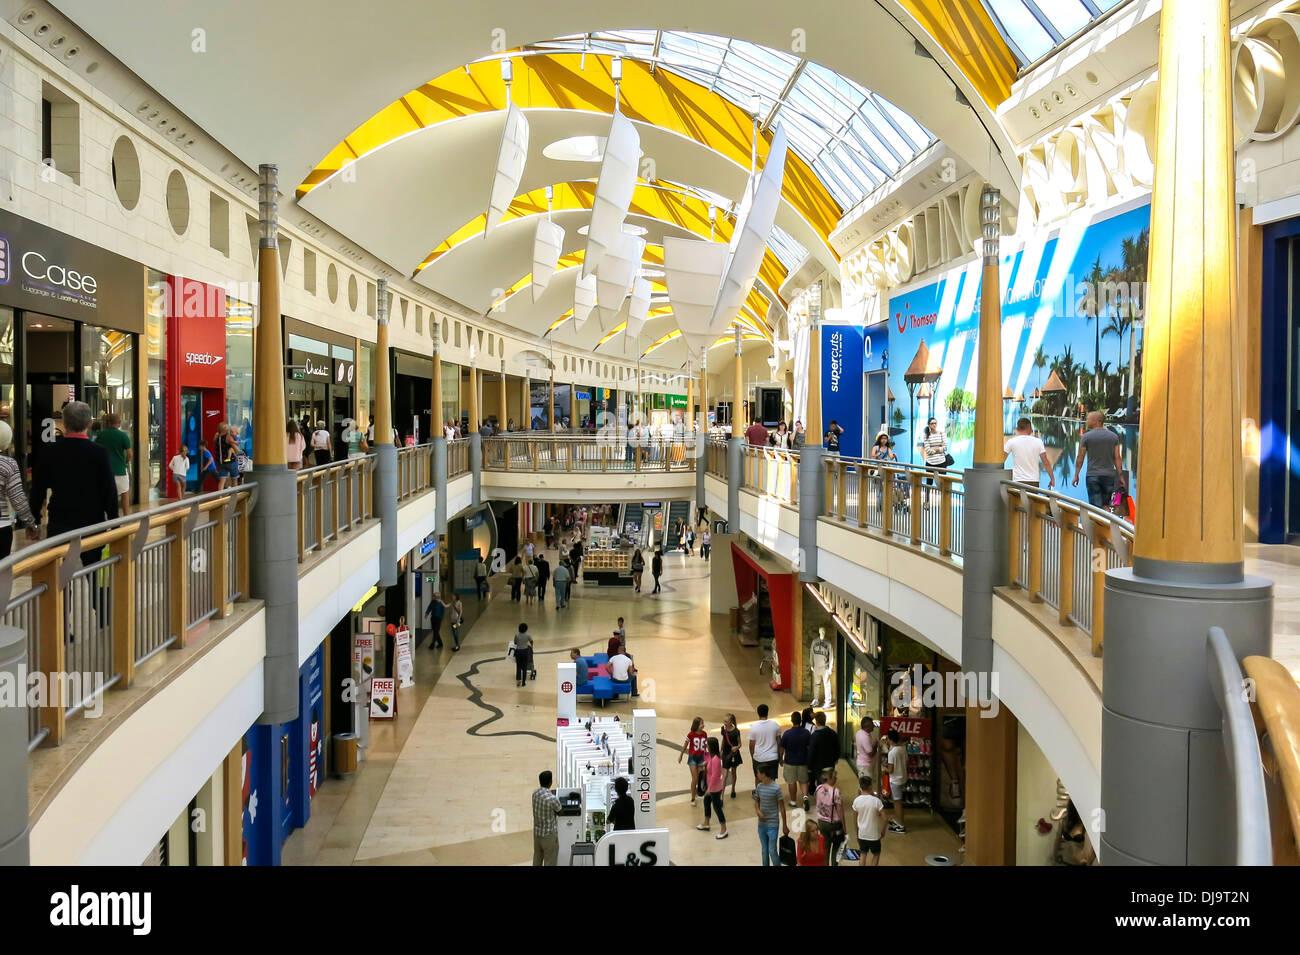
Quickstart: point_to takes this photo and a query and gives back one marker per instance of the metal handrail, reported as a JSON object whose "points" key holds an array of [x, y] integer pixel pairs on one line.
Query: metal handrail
{"points": [[1241, 746]]}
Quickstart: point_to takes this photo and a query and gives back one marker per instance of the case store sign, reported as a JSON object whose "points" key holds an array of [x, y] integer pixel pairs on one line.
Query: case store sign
{"points": [[46, 271]]}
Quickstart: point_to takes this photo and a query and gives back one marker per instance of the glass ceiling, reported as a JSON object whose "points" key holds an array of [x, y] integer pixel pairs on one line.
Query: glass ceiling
{"points": [[853, 139], [1033, 28]]}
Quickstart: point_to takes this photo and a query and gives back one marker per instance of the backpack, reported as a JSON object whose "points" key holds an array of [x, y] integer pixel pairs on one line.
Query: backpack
{"points": [[786, 850]]}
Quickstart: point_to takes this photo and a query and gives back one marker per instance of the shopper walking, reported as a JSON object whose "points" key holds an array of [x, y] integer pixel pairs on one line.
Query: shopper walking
{"points": [[1028, 456], [117, 443], [715, 783], [179, 467], [546, 827], [543, 575], [530, 582], [810, 847], [864, 747], [523, 650], [638, 568], [869, 809], [436, 611], [765, 744], [455, 614], [1101, 447], [481, 578], [516, 577], [793, 754], [896, 763], [620, 638], [706, 539], [731, 757], [295, 446], [657, 569], [830, 814], [77, 476], [14, 508], [770, 809], [562, 576], [320, 444], [695, 748], [823, 748]]}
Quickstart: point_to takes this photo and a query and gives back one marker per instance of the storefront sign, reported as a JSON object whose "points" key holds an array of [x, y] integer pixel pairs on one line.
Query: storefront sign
{"points": [[633, 847], [906, 726], [345, 373], [677, 401], [305, 366], [53, 273], [842, 355], [644, 767], [429, 544], [383, 699], [405, 663]]}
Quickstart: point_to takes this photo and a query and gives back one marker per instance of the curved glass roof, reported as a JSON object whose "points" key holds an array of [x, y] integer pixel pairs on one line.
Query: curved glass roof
{"points": [[1033, 28], [853, 139]]}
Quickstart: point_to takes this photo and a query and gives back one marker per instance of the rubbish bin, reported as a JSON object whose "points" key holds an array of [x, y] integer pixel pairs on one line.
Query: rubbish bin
{"points": [[345, 754]]}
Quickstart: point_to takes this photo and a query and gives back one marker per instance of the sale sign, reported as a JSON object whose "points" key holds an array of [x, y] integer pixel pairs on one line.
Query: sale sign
{"points": [[906, 726], [363, 656], [383, 698], [405, 661]]}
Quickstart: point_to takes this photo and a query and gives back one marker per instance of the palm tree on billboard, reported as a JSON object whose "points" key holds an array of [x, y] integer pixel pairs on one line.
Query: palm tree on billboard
{"points": [[1133, 253], [1040, 362], [1092, 314]]}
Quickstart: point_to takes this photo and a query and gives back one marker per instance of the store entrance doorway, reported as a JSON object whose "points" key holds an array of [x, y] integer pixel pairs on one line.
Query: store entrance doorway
{"points": [[200, 414], [50, 379]]}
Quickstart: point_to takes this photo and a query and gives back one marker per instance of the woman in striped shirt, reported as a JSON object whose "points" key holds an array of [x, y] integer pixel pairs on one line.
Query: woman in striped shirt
{"points": [[13, 500], [934, 448]]}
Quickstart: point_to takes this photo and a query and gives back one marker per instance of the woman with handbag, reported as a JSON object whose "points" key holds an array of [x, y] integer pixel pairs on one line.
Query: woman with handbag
{"points": [[696, 747], [638, 568], [731, 758], [530, 582], [830, 815], [455, 614], [934, 450]]}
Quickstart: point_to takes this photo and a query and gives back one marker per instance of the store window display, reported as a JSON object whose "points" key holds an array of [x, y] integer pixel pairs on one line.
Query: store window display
{"points": [[821, 655]]}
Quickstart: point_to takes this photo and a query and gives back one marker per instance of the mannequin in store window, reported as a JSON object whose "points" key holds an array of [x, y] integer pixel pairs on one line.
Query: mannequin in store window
{"points": [[821, 655]]}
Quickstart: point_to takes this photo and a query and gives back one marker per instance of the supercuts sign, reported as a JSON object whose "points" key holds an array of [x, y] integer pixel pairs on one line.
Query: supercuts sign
{"points": [[42, 270]]}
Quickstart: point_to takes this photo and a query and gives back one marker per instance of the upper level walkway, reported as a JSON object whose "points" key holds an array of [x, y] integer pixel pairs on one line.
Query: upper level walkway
{"points": [[156, 610]]}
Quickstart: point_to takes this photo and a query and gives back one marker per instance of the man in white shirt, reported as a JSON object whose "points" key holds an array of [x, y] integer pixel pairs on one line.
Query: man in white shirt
{"points": [[1027, 454], [764, 743], [622, 670], [870, 812], [896, 764]]}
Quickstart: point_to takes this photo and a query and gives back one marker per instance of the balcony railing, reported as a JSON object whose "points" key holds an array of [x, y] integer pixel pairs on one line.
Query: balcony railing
{"points": [[414, 470], [770, 471], [922, 506], [98, 602], [597, 453], [333, 498], [1060, 550], [457, 457], [716, 458]]}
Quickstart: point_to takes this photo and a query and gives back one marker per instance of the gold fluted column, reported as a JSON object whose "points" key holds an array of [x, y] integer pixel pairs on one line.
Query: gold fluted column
{"points": [[269, 410], [1190, 475], [738, 393], [383, 370], [438, 422], [573, 405], [989, 438]]}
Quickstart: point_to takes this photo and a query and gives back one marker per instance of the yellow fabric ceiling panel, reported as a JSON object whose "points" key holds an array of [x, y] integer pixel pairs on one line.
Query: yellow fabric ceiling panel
{"points": [[968, 34]]}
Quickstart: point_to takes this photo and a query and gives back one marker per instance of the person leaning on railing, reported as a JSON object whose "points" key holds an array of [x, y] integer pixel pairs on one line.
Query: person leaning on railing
{"points": [[13, 500]]}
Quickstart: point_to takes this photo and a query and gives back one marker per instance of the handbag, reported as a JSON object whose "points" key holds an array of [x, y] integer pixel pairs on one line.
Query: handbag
{"points": [[245, 463], [948, 460]]}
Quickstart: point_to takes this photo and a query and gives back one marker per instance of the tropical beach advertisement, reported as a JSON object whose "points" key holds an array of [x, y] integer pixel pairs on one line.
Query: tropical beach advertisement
{"points": [[1071, 343]]}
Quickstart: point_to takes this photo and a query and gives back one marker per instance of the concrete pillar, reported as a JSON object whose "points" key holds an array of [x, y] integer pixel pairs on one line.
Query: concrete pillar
{"points": [[13, 751], [437, 421], [812, 490], [273, 525], [386, 454], [1160, 722], [990, 785], [573, 405]]}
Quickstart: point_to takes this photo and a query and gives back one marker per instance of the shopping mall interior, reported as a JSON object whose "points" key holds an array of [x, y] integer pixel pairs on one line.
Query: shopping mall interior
{"points": [[423, 348]]}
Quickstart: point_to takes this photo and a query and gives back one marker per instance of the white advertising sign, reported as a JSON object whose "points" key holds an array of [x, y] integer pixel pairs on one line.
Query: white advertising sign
{"points": [[633, 847], [383, 698], [644, 767], [402, 655], [566, 690]]}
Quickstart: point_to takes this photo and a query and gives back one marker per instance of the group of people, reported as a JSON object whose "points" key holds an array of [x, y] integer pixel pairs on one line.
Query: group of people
{"points": [[224, 460]]}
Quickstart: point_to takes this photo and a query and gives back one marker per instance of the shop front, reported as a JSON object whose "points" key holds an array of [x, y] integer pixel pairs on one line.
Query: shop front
{"points": [[194, 378], [70, 317], [320, 380], [412, 397], [767, 590]]}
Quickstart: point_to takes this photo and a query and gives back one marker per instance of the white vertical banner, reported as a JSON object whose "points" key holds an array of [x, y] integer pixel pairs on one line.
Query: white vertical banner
{"points": [[566, 690], [802, 340], [644, 766]]}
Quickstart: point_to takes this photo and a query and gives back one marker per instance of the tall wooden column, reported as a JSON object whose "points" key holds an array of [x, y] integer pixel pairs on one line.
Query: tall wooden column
{"points": [[990, 785], [573, 405]]}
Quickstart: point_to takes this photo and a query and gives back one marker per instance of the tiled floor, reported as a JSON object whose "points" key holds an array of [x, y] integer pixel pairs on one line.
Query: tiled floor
{"points": [[1281, 564], [449, 781]]}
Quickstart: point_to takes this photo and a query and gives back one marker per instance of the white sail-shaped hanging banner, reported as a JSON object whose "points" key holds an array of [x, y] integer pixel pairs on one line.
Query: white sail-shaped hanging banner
{"points": [[547, 244], [511, 158], [754, 224], [613, 191], [693, 271], [617, 270], [638, 306], [584, 299]]}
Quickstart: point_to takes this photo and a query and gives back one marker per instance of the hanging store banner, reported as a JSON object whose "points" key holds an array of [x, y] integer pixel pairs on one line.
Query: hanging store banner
{"points": [[875, 347], [842, 354], [402, 655]]}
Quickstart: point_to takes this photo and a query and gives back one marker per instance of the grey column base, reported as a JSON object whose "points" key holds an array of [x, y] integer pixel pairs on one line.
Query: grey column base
{"points": [[386, 511], [735, 462], [984, 562], [13, 752], [812, 489], [476, 468], [273, 579], [1166, 789], [440, 485]]}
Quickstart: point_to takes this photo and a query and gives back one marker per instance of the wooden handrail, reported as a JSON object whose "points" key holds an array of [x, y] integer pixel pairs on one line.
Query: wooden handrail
{"points": [[1277, 707]]}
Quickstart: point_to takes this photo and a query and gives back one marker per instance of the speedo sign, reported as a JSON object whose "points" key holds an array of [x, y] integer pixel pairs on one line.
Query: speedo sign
{"points": [[53, 273]]}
